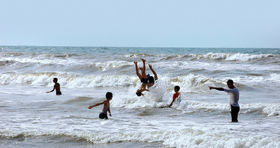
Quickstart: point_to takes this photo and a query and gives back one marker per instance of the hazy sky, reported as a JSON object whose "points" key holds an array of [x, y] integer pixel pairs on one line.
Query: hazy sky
{"points": [[144, 23]]}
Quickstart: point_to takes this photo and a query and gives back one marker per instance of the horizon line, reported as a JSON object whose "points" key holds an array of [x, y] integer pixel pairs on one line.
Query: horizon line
{"points": [[137, 47]]}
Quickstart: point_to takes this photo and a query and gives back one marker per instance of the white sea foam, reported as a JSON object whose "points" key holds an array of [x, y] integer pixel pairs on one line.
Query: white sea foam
{"points": [[68, 80], [216, 66], [230, 56], [156, 99], [188, 83], [269, 109], [108, 65], [185, 137], [242, 57]]}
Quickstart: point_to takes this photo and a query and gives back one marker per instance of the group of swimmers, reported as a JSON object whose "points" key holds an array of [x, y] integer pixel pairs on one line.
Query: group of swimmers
{"points": [[148, 81]]}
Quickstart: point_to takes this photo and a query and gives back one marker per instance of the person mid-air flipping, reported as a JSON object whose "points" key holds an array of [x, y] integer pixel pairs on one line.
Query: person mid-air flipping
{"points": [[146, 80]]}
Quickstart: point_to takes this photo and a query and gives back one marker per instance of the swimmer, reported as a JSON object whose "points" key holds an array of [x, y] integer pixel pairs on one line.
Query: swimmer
{"points": [[176, 95], [56, 87], [106, 106], [143, 78]]}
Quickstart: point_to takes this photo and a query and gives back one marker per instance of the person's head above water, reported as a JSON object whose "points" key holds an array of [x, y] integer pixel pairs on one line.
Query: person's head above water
{"points": [[55, 80], [109, 95], [176, 88], [230, 84]]}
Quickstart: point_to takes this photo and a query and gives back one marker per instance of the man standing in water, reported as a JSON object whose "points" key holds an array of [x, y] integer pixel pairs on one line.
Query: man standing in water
{"points": [[56, 87], [234, 98], [106, 106]]}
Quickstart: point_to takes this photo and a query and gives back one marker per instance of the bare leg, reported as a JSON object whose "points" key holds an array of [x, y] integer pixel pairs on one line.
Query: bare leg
{"points": [[155, 74], [144, 69], [137, 71]]}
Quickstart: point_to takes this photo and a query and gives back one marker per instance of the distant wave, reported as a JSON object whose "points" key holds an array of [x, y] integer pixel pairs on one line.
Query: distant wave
{"points": [[190, 82], [41, 55], [68, 80], [80, 81], [212, 56], [230, 57], [83, 58], [66, 62], [225, 57]]}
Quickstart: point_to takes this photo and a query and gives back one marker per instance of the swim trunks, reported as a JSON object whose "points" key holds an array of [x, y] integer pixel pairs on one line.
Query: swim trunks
{"points": [[103, 116]]}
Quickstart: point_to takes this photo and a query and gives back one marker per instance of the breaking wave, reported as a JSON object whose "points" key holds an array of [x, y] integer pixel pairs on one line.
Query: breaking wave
{"points": [[186, 137]]}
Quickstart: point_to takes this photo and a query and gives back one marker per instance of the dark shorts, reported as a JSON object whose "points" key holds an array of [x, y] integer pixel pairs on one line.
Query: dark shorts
{"points": [[103, 116], [143, 80], [58, 93]]}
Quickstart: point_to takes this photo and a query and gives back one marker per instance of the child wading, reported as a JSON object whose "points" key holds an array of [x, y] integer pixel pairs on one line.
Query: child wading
{"points": [[106, 106], [176, 95], [56, 87]]}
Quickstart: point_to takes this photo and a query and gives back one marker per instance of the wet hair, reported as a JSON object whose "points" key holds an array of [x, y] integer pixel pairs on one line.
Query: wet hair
{"points": [[138, 93], [109, 95], [55, 79], [177, 88], [151, 79], [230, 82]]}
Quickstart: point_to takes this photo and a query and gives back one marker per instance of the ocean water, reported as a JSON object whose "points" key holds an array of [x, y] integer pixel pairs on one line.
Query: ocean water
{"points": [[32, 118]]}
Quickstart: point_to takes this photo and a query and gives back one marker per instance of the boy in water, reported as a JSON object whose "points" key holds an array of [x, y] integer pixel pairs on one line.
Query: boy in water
{"points": [[106, 106], [147, 80], [176, 95], [56, 87], [234, 98], [143, 78]]}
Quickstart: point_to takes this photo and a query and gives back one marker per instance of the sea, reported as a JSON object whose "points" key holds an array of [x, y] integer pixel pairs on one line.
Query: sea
{"points": [[31, 118]]}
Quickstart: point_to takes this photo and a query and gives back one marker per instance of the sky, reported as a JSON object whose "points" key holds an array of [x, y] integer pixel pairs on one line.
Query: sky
{"points": [[141, 23]]}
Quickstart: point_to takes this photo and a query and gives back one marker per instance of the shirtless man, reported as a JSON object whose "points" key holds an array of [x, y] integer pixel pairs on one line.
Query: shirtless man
{"points": [[56, 87], [106, 106], [147, 80], [234, 98], [143, 78]]}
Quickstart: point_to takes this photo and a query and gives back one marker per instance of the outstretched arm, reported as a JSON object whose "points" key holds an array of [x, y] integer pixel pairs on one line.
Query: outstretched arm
{"points": [[171, 103], [137, 70], [155, 74], [217, 88], [173, 99], [52, 89], [96, 105]]}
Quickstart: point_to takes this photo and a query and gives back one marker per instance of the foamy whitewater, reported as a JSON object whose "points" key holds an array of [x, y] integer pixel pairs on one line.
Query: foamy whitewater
{"points": [[32, 118]]}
